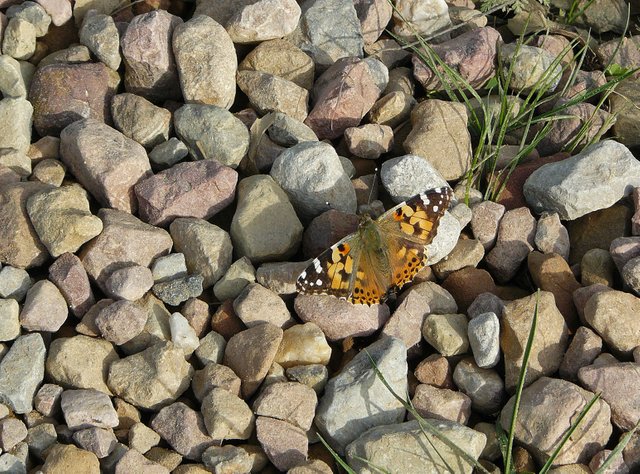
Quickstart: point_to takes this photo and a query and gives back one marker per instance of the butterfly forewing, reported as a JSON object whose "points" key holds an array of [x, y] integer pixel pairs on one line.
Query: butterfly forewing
{"points": [[363, 272]]}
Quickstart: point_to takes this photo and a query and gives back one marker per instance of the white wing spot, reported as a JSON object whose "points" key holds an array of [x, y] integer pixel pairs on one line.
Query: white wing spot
{"points": [[318, 282], [310, 283], [303, 275], [435, 208], [317, 266]]}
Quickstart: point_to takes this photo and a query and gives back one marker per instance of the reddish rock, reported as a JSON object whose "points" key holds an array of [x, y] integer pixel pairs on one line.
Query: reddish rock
{"points": [[435, 370], [148, 56], [164, 196], [285, 444], [71, 278], [63, 93], [466, 284], [344, 94], [105, 162], [327, 229]]}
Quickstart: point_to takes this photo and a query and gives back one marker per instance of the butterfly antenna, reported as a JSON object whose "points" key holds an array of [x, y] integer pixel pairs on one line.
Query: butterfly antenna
{"points": [[373, 185]]}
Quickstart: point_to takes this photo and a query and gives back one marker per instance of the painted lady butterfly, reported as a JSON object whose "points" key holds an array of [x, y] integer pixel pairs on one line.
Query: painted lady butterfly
{"points": [[382, 255]]}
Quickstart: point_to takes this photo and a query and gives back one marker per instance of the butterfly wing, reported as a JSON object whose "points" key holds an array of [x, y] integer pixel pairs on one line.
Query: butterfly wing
{"points": [[408, 228], [334, 271]]}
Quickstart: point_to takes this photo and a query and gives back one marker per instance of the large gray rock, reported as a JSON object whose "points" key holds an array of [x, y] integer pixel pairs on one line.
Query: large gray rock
{"points": [[21, 372], [595, 179]]}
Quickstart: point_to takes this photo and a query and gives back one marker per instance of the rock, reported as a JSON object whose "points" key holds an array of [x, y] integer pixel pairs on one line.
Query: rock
{"points": [[554, 404], [148, 56], [331, 31], [60, 12], [250, 354], [631, 274], [68, 274], [12, 81], [80, 362], [142, 438], [105, 253], [64, 93], [392, 109], [151, 378], [265, 225], [183, 428], [99, 33], [215, 376], [15, 123], [129, 283], [169, 267], [19, 40], [303, 344], [49, 171], [263, 20], [311, 175], [61, 456], [134, 461], [611, 315], [485, 303], [182, 334], [206, 247], [14, 283], [472, 55], [45, 309], [466, 253], [140, 120], [516, 234], [9, 319], [281, 58], [467, 283], [356, 399], [447, 333], [212, 132], [441, 404], [549, 343], [426, 18], [21, 372], [226, 415], [604, 15], [485, 222], [62, 219], [353, 320], [121, 321], [369, 141], [406, 447], [529, 68], [33, 13], [163, 197], [168, 153], [554, 187], [257, 305], [12, 431], [484, 387], [483, 332], [627, 116], [285, 444], [344, 94], [202, 43], [211, 348], [47, 400], [105, 162], [435, 370], [292, 402], [552, 236], [87, 408], [585, 346], [240, 274], [227, 459], [597, 267]]}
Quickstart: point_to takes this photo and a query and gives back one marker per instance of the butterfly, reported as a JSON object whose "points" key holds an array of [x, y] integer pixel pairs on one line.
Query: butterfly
{"points": [[382, 255]]}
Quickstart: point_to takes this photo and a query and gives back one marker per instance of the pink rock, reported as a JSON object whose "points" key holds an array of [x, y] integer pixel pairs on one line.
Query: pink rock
{"points": [[286, 445], [68, 274], [472, 55], [582, 295], [164, 196], [326, 229], [148, 56], [338, 318], [442, 404], [58, 10], [406, 321], [134, 461], [85, 408], [105, 253], [292, 402], [485, 221], [63, 93], [105, 162], [45, 309], [344, 94], [374, 16], [624, 249], [121, 321], [129, 283], [183, 428]]}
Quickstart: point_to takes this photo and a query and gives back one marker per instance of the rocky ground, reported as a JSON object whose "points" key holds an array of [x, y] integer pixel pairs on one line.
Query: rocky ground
{"points": [[167, 170]]}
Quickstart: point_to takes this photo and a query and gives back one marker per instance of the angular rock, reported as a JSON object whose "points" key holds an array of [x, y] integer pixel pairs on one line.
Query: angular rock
{"points": [[183, 428], [612, 314], [21, 372], [87, 408], [45, 309], [226, 415], [140, 120], [68, 274], [99, 33]]}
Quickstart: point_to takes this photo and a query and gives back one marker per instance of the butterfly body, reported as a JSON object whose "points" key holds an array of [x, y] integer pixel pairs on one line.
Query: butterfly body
{"points": [[382, 255]]}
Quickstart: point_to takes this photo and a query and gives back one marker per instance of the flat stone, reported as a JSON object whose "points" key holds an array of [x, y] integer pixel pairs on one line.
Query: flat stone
{"points": [[612, 315], [148, 56], [86, 408], [212, 132], [106, 253], [80, 362], [257, 305], [62, 456], [240, 274], [45, 309], [227, 458], [441, 404], [203, 43], [206, 247], [183, 428], [560, 187], [129, 283], [62, 219], [105, 162], [554, 404], [168, 153], [356, 400], [21, 372], [263, 20], [407, 447], [163, 197], [269, 93], [585, 346], [64, 93], [292, 402], [151, 378], [140, 120]]}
